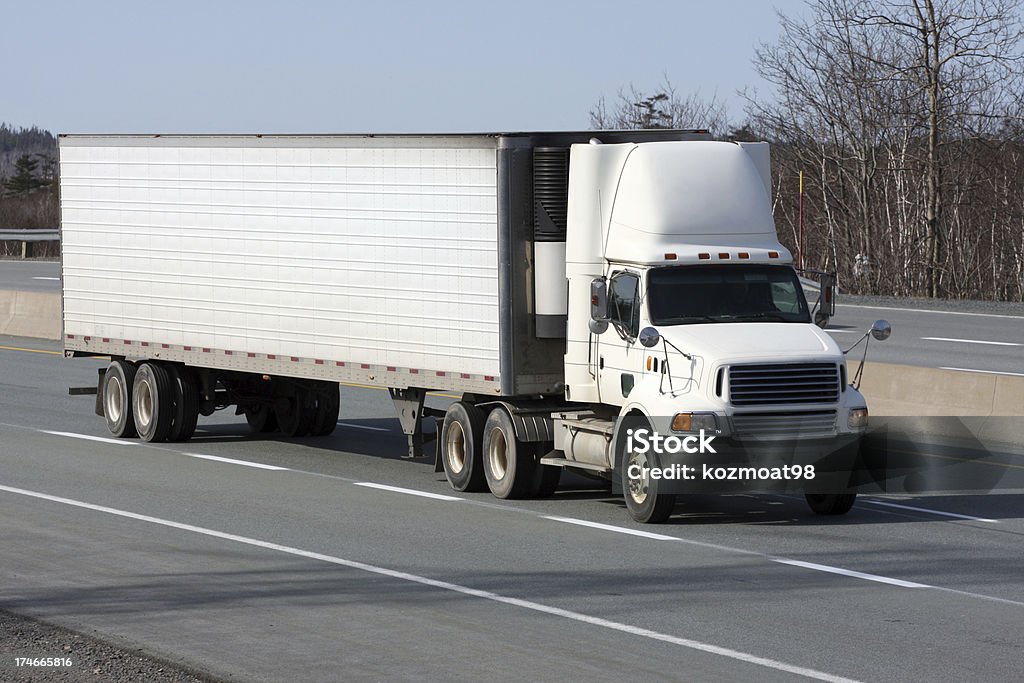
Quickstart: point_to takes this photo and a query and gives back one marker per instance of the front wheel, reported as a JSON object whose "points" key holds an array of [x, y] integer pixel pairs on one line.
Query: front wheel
{"points": [[830, 503], [644, 500]]}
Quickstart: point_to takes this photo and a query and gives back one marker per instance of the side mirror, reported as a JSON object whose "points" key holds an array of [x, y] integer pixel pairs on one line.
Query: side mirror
{"points": [[649, 337], [599, 300], [881, 329]]}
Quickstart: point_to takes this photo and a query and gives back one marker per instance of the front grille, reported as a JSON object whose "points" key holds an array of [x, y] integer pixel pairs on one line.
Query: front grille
{"points": [[783, 384], [797, 424]]}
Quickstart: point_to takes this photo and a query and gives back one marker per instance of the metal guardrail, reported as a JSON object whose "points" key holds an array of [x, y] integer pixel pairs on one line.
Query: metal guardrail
{"points": [[7, 234], [28, 238]]}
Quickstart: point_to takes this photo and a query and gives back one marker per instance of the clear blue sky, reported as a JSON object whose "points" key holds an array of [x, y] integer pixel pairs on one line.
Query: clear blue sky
{"points": [[372, 65]]}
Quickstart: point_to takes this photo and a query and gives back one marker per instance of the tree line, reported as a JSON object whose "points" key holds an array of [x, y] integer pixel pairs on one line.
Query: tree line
{"points": [[905, 118], [28, 184]]}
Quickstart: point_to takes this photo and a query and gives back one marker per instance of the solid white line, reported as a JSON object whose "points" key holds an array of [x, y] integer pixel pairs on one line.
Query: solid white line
{"points": [[985, 372], [411, 492], [842, 331], [609, 527], [933, 512], [971, 341], [87, 437], [232, 461], [848, 572], [39, 277], [372, 429], [928, 310], [455, 588]]}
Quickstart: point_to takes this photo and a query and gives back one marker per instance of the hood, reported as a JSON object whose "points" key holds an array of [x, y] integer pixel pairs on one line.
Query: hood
{"points": [[768, 341]]}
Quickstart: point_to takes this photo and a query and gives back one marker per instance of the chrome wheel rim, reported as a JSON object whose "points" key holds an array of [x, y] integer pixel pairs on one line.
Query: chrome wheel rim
{"points": [[497, 454], [456, 448]]}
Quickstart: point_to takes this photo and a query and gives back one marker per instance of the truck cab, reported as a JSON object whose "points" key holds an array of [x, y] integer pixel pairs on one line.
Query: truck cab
{"points": [[685, 315]]}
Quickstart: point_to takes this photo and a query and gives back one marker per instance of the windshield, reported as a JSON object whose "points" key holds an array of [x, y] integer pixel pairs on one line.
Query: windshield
{"points": [[725, 293]]}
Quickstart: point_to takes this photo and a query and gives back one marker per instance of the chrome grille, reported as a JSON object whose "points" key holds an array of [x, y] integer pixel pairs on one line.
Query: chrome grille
{"points": [[802, 424], [783, 384]]}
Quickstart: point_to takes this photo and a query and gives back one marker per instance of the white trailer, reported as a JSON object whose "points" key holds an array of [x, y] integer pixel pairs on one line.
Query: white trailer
{"points": [[260, 271]]}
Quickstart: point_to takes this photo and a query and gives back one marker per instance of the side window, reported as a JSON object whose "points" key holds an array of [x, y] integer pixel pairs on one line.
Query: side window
{"points": [[624, 303]]}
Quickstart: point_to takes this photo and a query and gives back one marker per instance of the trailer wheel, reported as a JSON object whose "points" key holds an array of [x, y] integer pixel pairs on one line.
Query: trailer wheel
{"points": [[297, 419], [328, 403], [153, 402], [830, 503], [644, 502], [186, 404], [544, 481], [261, 418], [508, 462], [461, 453], [117, 398]]}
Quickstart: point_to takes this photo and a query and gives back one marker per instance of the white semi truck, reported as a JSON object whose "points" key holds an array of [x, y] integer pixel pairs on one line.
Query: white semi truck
{"points": [[559, 282]]}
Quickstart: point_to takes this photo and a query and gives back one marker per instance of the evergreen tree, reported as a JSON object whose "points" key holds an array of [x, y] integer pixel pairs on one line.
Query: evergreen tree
{"points": [[26, 177]]}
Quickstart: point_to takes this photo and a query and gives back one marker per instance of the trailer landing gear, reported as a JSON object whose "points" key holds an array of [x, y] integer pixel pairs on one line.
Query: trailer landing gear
{"points": [[411, 411]]}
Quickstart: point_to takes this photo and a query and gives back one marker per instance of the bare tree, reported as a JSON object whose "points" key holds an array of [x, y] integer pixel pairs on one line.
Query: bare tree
{"points": [[957, 52], [894, 108], [664, 107]]}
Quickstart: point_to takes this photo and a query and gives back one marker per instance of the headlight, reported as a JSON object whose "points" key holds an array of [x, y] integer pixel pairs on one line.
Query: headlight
{"points": [[694, 422], [858, 418]]}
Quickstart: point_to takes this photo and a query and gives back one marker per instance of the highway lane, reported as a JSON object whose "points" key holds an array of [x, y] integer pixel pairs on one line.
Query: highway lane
{"points": [[961, 339], [714, 600], [30, 276]]}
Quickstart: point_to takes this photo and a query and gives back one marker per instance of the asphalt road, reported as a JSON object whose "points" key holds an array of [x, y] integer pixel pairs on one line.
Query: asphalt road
{"points": [[31, 276], [287, 561], [960, 339]]}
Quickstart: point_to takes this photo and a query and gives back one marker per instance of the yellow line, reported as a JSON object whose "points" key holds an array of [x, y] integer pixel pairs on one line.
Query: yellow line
{"points": [[18, 348], [949, 457]]}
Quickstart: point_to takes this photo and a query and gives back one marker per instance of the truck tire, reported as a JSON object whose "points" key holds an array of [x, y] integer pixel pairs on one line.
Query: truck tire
{"points": [[186, 404], [508, 462], [830, 503], [261, 418], [117, 399], [297, 419], [644, 502], [153, 402], [328, 403], [462, 436], [545, 478]]}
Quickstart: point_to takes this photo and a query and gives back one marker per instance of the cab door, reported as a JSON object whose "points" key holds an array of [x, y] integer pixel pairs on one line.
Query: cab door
{"points": [[619, 355]]}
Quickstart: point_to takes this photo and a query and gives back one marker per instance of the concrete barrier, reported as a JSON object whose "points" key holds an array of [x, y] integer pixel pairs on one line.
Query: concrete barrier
{"points": [[990, 406], [30, 314], [912, 390]]}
